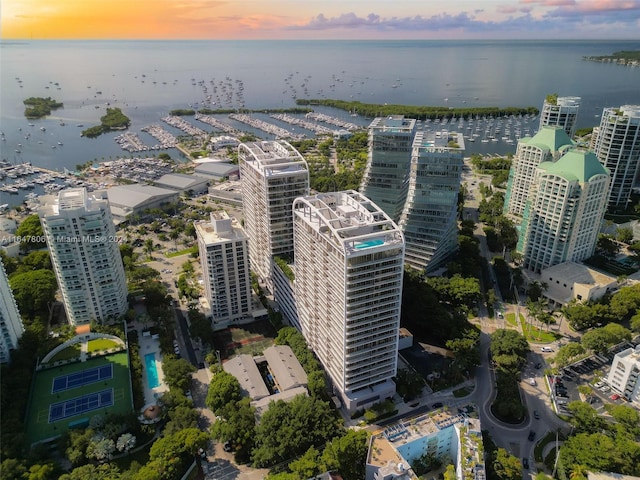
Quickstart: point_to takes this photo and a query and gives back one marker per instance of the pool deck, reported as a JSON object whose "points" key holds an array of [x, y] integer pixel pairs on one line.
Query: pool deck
{"points": [[150, 345]]}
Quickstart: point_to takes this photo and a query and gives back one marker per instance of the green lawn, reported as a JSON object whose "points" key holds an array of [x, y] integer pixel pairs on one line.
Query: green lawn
{"points": [[38, 427], [72, 351], [531, 332], [101, 344], [462, 392], [186, 251]]}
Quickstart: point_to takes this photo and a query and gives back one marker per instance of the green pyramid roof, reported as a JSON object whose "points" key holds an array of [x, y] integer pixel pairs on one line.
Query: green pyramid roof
{"points": [[550, 137], [576, 164]]}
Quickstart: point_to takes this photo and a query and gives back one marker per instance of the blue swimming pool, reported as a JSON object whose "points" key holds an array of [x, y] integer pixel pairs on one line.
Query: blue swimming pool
{"points": [[152, 371], [369, 243]]}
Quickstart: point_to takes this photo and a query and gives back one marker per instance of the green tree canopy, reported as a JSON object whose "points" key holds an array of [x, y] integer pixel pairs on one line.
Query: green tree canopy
{"points": [[223, 389], [34, 290], [30, 233], [177, 372]]}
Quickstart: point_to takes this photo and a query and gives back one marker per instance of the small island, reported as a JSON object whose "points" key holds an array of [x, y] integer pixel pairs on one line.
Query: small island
{"points": [[113, 120], [629, 58], [38, 107]]}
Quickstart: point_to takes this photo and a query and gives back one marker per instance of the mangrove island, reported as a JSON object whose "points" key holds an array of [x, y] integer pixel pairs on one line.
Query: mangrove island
{"points": [[38, 107], [113, 120]]}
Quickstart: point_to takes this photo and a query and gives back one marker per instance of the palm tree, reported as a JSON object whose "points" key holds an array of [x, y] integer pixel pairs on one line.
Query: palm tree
{"points": [[148, 247], [578, 472]]}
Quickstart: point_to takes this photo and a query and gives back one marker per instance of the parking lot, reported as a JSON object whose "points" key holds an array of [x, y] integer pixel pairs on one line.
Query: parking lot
{"points": [[591, 371]]}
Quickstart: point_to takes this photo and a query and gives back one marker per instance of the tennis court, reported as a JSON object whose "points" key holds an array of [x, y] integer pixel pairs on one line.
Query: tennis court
{"points": [[82, 404], [84, 377], [52, 413]]}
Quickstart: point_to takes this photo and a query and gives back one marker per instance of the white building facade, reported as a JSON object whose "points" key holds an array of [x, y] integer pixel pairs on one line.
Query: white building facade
{"points": [[224, 257], [273, 175], [564, 212], [624, 376], [560, 112], [11, 327], [384, 180], [545, 146], [85, 255], [617, 146], [348, 288], [429, 217]]}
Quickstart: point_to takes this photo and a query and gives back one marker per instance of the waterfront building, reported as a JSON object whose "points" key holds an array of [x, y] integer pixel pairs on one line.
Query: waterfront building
{"points": [[617, 146], [384, 181], [430, 213], [450, 437], [560, 112], [85, 254], [348, 289], [564, 211], [224, 257], [624, 376], [545, 146], [273, 175], [11, 327]]}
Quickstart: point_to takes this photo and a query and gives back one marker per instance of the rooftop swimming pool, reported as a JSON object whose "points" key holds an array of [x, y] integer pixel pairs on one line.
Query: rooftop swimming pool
{"points": [[152, 371], [368, 244]]}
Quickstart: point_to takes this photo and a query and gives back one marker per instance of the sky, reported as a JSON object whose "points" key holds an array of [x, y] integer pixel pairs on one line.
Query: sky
{"points": [[320, 19]]}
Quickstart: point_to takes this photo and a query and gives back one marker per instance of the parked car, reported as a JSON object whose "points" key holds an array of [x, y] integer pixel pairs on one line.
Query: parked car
{"points": [[532, 436], [532, 381], [546, 349], [615, 396], [536, 414], [437, 405], [598, 384], [605, 389], [525, 463]]}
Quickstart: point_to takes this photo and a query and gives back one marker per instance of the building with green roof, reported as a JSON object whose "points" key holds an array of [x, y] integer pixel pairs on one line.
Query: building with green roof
{"points": [[545, 146], [564, 211]]}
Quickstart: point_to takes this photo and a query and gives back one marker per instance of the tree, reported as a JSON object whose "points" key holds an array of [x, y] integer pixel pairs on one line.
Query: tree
{"points": [[585, 418], [466, 349], [409, 384], [35, 260], [600, 339], [607, 246], [288, 429], [148, 247], [34, 291], [223, 389], [177, 373], [31, 234], [507, 466], [509, 342], [237, 426], [626, 302], [200, 326], [308, 465], [624, 235], [101, 449], [578, 472], [125, 442], [567, 353], [181, 417], [348, 454]]}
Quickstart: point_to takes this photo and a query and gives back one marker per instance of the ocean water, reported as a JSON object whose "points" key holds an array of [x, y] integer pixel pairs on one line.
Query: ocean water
{"points": [[147, 79]]}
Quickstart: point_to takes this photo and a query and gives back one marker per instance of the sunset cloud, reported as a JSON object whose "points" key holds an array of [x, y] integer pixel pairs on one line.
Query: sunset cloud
{"points": [[290, 19]]}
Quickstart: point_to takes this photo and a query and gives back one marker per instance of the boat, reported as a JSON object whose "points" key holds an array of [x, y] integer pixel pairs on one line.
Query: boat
{"points": [[43, 129], [59, 143]]}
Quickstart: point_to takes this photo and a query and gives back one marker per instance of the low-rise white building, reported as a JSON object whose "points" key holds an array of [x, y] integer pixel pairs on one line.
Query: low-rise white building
{"points": [[575, 281], [624, 374], [452, 438], [183, 183]]}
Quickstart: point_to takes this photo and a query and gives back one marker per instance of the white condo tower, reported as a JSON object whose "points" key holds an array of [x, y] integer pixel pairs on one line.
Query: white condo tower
{"points": [[348, 288], [85, 255]]}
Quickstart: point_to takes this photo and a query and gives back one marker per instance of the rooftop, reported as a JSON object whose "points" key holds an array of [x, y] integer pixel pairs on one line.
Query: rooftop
{"points": [[273, 157], [244, 368], [216, 168], [576, 164], [220, 227], [393, 123], [136, 194], [180, 181], [551, 138], [285, 367]]}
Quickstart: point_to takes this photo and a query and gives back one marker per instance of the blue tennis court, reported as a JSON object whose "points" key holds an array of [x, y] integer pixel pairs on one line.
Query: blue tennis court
{"points": [[84, 377], [78, 405]]}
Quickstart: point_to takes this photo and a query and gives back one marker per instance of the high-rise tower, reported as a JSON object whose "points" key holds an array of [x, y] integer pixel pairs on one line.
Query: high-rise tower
{"points": [[273, 175], [224, 258], [560, 112], [617, 146], [384, 179], [564, 211], [429, 217], [11, 327], [545, 146], [85, 255], [348, 288]]}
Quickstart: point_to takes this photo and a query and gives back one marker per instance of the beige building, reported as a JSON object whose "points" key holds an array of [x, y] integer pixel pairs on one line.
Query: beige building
{"points": [[574, 281]]}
